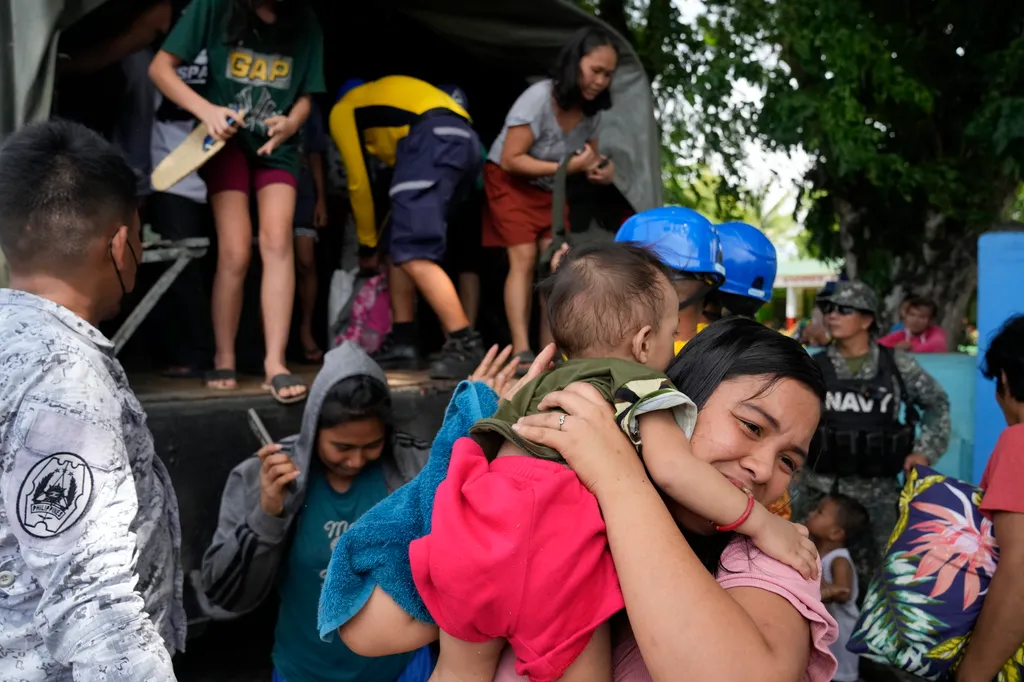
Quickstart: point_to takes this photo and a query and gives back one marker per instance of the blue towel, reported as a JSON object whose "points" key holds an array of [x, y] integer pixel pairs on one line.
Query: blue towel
{"points": [[375, 550]]}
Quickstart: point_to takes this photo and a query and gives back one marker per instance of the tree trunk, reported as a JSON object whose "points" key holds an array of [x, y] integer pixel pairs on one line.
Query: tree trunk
{"points": [[613, 13], [946, 271]]}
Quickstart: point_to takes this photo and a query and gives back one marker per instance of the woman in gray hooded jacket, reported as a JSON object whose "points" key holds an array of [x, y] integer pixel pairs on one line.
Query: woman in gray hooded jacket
{"points": [[283, 511]]}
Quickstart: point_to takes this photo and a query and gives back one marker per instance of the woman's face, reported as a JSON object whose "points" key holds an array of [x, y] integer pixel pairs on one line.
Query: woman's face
{"points": [[755, 437], [596, 69], [347, 448]]}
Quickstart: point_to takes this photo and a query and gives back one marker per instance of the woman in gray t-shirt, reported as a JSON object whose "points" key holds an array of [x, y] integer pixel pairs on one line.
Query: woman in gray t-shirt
{"points": [[552, 119]]}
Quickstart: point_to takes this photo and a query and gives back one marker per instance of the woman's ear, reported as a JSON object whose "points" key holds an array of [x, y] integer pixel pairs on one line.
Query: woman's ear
{"points": [[641, 344]]}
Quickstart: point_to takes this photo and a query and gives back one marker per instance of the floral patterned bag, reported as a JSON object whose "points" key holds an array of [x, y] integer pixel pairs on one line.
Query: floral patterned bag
{"points": [[922, 606]]}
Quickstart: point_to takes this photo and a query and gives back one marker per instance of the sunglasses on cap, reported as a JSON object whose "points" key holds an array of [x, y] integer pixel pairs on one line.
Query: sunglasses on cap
{"points": [[829, 308]]}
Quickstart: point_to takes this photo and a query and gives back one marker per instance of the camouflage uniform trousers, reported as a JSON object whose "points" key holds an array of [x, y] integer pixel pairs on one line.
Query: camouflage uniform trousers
{"points": [[880, 497]]}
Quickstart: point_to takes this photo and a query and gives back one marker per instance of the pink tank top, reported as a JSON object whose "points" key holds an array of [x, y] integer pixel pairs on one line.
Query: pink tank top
{"points": [[742, 566]]}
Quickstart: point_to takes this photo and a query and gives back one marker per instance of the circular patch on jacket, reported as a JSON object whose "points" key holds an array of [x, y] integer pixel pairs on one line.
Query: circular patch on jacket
{"points": [[54, 495]]}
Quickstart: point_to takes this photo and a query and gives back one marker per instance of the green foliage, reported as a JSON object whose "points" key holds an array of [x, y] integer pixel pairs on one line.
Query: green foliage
{"points": [[912, 112]]}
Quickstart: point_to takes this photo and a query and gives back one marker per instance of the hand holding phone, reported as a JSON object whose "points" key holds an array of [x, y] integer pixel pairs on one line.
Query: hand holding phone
{"points": [[277, 470], [258, 429]]}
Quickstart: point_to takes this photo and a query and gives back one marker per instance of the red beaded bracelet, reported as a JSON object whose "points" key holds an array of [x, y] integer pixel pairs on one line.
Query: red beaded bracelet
{"points": [[743, 517]]}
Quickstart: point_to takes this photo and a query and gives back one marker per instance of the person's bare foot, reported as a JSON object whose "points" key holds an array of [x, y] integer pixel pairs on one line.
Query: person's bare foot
{"points": [[285, 387], [221, 379], [223, 376], [310, 349]]}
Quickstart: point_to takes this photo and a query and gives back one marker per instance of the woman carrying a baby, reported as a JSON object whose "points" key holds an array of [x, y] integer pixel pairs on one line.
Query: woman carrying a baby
{"points": [[519, 552]]}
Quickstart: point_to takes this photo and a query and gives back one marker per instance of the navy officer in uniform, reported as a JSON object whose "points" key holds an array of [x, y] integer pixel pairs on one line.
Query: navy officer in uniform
{"points": [[866, 444], [90, 572]]}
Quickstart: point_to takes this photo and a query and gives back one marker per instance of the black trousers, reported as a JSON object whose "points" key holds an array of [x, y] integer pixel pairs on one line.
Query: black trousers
{"points": [[186, 338]]}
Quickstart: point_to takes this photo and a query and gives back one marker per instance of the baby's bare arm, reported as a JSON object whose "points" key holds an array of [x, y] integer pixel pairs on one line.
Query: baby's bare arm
{"points": [[696, 485], [382, 628], [700, 487]]}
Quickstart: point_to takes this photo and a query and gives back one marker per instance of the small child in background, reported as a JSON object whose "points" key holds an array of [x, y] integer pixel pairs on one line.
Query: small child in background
{"points": [[838, 521]]}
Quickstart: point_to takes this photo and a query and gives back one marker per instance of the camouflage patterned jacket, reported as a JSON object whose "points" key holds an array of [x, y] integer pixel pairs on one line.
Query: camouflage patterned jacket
{"points": [[90, 575], [923, 391]]}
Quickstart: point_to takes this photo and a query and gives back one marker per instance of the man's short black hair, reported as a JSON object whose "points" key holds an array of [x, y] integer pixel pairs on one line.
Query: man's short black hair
{"points": [[1005, 354], [923, 302], [602, 293], [61, 186], [851, 516]]}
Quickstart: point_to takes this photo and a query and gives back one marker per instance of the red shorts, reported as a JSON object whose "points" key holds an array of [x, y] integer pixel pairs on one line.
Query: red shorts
{"points": [[517, 212], [517, 550], [231, 170]]}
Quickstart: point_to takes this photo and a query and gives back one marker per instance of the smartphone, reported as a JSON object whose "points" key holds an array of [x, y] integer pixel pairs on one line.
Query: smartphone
{"points": [[263, 436], [258, 429], [604, 162]]}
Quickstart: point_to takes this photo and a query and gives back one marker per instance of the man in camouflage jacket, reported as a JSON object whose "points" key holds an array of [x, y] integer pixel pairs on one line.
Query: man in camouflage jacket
{"points": [[854, 354], [90, 570]]}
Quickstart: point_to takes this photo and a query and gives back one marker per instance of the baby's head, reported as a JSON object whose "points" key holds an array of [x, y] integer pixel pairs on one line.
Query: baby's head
{"points": [[839, 519], [613, 300]]}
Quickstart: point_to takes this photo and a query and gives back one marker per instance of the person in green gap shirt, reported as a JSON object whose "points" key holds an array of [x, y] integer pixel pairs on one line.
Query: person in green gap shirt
{"points": [[283, 511], [265, 59]]}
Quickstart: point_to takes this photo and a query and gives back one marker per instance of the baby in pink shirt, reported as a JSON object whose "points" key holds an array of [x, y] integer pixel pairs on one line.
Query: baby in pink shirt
{"points": [[742, 565]]}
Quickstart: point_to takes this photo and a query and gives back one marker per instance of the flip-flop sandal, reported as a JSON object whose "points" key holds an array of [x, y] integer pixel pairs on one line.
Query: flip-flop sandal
{"points": [[282, 381], [220, 375], [181, 373]]}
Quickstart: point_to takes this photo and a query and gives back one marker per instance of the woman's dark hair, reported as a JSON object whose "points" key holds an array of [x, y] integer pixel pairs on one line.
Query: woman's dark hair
{"points": [[291, 15], [728, 349], [356, 398], [1006, 354], [566, 72], [739, 347]]}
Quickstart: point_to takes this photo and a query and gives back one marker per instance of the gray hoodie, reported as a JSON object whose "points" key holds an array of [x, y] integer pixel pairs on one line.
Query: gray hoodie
{"points": [[240, 566]]}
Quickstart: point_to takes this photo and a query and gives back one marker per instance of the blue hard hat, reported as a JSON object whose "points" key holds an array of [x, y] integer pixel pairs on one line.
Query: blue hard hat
{"points": [[456, 93], [683, 239], [750, 261], [348, 86]]}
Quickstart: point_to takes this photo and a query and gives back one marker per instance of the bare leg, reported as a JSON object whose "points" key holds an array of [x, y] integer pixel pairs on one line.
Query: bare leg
{"points": [[467, 661], [522, 261], [403, 294], [382, 628], [436, 286], [234, 248], [594, 664], [277, 292], [469, 294], [305, 265]]}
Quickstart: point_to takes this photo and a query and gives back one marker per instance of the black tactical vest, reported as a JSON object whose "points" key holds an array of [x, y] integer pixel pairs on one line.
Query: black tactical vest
{"points": [[861, 433]]}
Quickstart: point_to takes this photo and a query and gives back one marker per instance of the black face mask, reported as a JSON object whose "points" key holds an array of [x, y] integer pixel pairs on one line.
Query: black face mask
{"points": [[126, 296]]}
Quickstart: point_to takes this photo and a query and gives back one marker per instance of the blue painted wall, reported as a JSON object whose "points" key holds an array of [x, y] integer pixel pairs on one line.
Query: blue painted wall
{"points": [[956, 373], [1000, 264]]}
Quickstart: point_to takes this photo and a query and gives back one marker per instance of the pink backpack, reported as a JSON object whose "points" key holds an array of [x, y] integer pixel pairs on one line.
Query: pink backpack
{"points": [[367, 319]]}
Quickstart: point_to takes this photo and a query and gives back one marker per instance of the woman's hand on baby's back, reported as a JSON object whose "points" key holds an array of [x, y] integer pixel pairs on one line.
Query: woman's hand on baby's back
{"points": [[588, 437]]}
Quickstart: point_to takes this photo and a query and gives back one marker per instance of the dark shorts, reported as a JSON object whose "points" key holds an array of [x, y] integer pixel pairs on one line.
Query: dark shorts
{"points": [[231, 170], [464, 234], [305, 206], [437, 163]]}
